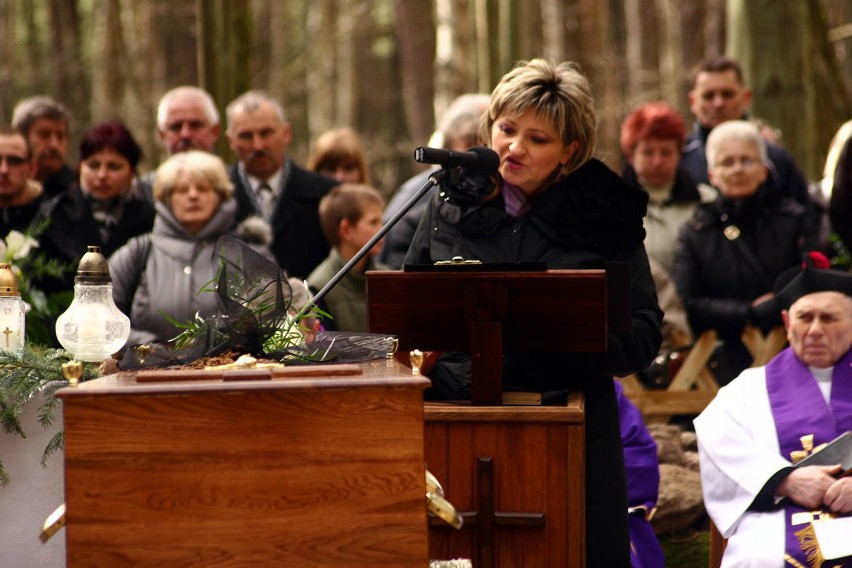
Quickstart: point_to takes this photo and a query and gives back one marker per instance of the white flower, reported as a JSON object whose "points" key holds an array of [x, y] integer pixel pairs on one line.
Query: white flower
{"points": [[18, 245]]}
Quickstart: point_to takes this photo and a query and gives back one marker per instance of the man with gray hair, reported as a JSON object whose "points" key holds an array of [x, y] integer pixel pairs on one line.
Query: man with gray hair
{"points": [[187, 119], [267, 183], [754, 436], [44, 123]]}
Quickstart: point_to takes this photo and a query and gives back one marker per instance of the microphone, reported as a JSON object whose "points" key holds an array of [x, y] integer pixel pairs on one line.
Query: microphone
{"points": [[478, 159]]}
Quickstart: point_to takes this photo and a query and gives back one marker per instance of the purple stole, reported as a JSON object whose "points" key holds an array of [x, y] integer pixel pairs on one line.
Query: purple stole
{"points": [[799, 409]]}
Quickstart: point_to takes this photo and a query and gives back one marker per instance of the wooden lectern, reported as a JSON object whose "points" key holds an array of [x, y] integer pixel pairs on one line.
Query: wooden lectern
{"points": [[516, 474], [303, 472]]}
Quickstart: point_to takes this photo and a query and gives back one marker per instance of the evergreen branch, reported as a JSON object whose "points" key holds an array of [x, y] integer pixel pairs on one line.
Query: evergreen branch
{"points": [[54, 445], [36, 370]]}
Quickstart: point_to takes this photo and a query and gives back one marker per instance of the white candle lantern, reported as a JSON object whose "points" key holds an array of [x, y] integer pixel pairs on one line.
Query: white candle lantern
{"points": [[92, 328], [12, 312]]}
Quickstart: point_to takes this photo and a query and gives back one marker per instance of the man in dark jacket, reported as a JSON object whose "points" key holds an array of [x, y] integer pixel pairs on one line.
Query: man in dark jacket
{"points": [[44, 123], [268, 184], [719, 94]]}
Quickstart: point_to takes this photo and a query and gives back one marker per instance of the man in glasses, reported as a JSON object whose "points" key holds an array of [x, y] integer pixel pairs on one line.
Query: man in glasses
{"points": [[20, 195]]}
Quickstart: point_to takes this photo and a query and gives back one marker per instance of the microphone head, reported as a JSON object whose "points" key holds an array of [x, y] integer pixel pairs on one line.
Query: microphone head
{"points": [[489, 161]]}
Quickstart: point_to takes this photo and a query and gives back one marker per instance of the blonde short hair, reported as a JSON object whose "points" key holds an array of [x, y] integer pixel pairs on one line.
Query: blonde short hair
{"points": [[196, 162], [558, 93]]}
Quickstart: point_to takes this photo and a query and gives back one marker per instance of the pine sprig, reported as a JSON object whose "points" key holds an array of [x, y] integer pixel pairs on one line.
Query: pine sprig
{"points": [[38, 369]]}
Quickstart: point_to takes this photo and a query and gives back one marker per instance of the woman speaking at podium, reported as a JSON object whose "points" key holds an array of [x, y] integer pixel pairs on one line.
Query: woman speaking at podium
{"points": [[551, 202]]}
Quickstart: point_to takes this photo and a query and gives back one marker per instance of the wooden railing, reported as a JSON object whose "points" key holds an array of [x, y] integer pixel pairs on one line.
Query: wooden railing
{"points": [[694, 385]]}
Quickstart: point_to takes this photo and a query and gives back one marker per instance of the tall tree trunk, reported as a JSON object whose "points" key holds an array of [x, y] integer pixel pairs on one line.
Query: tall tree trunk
{"points": [[510, 30], [107, 75], [70, 84], [558, 18], [135, 59], [715, 33], [224, 36], [179, 48], [643, 61], [8, 60], [671, 61], [321, 74], [446, 54], [532, 39], [611, 81], [487, 43], [415, 33], [793, 73]]}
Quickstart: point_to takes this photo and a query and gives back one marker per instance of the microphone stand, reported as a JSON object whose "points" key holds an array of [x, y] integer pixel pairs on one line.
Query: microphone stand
{"points": [[435, 179]]}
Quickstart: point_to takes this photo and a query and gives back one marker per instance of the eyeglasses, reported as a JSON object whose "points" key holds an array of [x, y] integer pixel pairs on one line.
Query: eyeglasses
{"points": [[12, 160], [746, 163]]}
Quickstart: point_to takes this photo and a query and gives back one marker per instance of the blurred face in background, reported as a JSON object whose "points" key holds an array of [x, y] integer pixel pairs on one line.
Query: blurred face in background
{"points": [[737, 170], [15, 168], [655, 161], [718, 97], [356, 235], [193, 201], [187, 127], [259, 139], [106, 174], [344, 172], [49, 141]]}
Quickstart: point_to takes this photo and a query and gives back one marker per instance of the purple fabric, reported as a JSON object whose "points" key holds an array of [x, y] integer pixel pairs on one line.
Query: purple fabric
{"points": [[643, 482], [799, 409], [515, 201]]}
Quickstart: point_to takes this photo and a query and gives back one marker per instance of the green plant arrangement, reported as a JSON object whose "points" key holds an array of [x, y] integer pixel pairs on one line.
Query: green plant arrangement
{"points": [[38, 369], [261, 312]]}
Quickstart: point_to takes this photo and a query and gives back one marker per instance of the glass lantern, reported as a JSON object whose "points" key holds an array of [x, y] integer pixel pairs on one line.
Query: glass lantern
{"points": [[12, 312], [92, 328]]}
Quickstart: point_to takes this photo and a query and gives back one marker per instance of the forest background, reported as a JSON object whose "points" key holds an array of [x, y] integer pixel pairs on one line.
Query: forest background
{"points": [[387, 68]]}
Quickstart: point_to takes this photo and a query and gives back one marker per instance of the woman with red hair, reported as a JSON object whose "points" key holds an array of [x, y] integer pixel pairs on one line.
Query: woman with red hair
{"points": [[652, 137]]}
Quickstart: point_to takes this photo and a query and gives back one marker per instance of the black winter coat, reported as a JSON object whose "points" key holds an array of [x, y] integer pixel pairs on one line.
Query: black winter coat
{"points": [[716, 281], [72, 228], [581, 221]]}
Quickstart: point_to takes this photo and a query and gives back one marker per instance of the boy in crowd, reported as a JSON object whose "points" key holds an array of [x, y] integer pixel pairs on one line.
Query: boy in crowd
{"points": [[350, 215]]}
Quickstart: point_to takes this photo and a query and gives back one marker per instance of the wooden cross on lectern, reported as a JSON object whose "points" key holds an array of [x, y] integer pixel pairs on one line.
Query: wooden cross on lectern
{"points": [[486, 519]]}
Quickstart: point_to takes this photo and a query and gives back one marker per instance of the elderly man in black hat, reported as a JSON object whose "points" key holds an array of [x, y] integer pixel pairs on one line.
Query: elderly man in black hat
{"points": [[769, 418]]}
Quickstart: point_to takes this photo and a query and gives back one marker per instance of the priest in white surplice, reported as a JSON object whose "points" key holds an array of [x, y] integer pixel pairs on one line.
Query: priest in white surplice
{"points": [[752, 433]]}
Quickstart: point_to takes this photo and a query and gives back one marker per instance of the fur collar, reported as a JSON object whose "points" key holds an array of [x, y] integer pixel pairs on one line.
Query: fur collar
{"points": [[590, 209]]}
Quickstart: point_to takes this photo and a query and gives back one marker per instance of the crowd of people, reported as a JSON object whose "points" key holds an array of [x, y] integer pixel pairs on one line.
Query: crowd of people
{"points": [[708, 219]]}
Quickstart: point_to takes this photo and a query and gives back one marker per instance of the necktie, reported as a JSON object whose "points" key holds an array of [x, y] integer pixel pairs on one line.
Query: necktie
{"points": [[264, 192]]}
